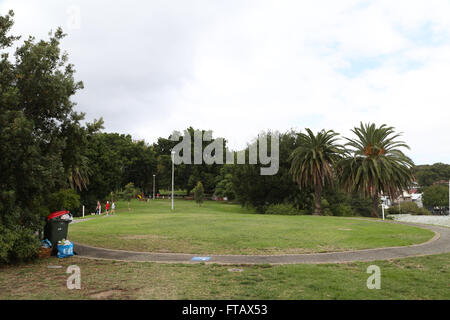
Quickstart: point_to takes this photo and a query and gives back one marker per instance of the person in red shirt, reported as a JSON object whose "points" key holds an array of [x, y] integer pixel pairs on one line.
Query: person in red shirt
{"points": [[107, 207]]}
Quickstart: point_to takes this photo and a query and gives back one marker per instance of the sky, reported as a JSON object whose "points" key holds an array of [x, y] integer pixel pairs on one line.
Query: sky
{"points": [[241, 67]]}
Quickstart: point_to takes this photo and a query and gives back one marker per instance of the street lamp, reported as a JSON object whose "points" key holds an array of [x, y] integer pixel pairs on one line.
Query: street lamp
{"points": [[173, 176], [153, 187]]}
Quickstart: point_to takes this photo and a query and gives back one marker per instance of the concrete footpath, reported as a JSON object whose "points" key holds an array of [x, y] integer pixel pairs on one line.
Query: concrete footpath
{"points": [[440, 243]]}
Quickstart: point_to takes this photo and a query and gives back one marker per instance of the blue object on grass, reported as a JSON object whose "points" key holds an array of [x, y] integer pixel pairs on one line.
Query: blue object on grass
{"points": [[65, 251], [200, 258], [46, 243]]}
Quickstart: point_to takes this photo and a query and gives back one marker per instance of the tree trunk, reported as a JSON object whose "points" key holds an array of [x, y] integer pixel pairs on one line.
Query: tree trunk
{"points": [[375, 204], [318, 200]]}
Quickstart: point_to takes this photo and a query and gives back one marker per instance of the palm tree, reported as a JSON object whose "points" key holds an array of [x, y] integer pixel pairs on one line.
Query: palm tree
{"points": [[376, 164], [78, 175], [313, 162]]}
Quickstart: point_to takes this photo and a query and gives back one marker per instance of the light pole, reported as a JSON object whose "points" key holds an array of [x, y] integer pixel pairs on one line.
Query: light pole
{"points": [[173, 176], [153, 187]]}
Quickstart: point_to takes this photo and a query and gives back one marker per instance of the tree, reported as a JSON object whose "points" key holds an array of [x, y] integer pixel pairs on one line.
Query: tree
{"points": [[186, 175], [41, 140], [313, 162], [64, 200], [129, 192], [375, 164], [427, 175], [436, 196], [224, 186], [260, 191], [199, 193]]}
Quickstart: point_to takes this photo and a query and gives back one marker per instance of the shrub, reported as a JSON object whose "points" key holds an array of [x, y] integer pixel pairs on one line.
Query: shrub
{"points": [[283, 209], [408, 208], [199, 193], [66, 199], [17, 244], [342, 210]]}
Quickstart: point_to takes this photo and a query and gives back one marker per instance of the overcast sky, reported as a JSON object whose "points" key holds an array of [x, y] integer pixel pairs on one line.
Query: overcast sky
{"points": [[239, 67]]}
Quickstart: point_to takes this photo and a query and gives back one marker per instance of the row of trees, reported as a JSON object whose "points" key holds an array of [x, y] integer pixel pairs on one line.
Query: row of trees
{"points": [[371, 164], [320, 175], [427, 175]]}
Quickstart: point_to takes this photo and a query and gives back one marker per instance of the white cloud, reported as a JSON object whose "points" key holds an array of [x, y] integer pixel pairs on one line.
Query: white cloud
{"points": [[239, 67]]}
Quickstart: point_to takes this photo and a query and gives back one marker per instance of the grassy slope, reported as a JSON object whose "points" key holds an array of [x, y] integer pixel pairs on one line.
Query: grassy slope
{"points": [[229, 229], [411, 278]]}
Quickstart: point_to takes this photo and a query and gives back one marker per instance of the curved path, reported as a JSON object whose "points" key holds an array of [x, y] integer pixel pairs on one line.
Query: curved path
{"points": [[440, 243]]}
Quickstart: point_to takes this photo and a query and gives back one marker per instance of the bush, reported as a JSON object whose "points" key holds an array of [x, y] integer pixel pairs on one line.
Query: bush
{"points": [[66, 199], [342, 210], [17, 245], [408, 208], [283, 209], [199, 193]]}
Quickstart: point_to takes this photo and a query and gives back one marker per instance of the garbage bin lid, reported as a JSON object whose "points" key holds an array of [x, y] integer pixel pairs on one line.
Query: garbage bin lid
{"points": [[56, 214]]}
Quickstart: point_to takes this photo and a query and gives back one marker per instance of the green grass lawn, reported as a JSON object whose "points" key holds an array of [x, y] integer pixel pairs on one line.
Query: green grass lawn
{"points": [[221, 228], [410, 278]]}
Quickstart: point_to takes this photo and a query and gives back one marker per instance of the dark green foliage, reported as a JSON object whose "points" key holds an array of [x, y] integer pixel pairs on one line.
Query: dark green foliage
{"points": [[375, 164], [115, 160], [186, 175], [427, 175], [342, 210], [199, 193], [224, 187], [64, 199], [408, 208], [17, 244], [436, 196], [129, 193], [283, 209], [362, 206], [41, 140], [253, 189], [313, 162]]}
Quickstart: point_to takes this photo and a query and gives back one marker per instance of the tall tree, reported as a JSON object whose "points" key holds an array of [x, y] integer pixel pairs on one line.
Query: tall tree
{"points": [[41, 139], [375, 164], [314, 160]]}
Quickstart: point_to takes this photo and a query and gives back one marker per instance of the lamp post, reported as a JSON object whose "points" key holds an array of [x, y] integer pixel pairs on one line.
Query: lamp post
{"points": [[153, 187], [173, 176]]}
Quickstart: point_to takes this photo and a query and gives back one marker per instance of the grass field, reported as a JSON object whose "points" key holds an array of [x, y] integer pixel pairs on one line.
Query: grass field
{"points": [[411, 278], [218, 227], [221, 228]]}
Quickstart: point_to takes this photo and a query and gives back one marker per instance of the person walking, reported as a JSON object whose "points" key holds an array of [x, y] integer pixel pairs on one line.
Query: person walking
{"points": [[97, 210], [107, 207], [113, 207]]}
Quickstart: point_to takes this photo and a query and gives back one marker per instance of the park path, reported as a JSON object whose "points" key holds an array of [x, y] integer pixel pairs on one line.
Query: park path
{"points": [[440, 243]]}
